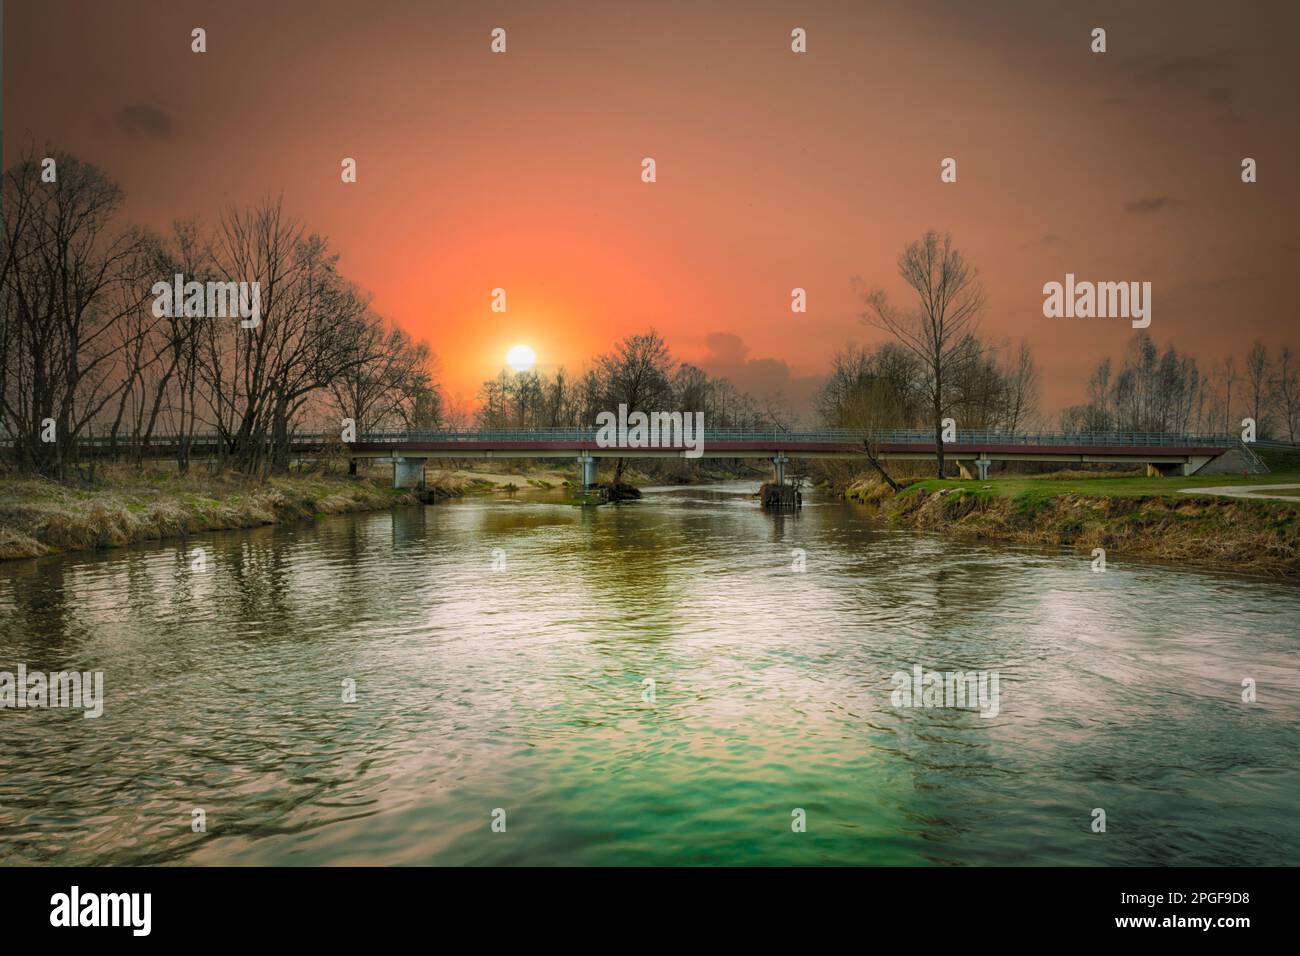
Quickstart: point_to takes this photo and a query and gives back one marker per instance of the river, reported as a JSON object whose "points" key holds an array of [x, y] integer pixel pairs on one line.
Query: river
{"points": [[502, 652]]}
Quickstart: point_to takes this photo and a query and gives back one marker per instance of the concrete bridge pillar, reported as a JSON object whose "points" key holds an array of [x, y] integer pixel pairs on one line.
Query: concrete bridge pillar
{"points": [[778, 467], [408, 472], [588, 465], [981, 466]]}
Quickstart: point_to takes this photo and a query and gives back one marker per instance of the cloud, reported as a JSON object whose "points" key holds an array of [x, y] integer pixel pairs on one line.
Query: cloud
{"points": [[764, 378], [1202, 75], [726, 349], [1180, 72], [1148, 204], [145, 121], [1176, 82]]}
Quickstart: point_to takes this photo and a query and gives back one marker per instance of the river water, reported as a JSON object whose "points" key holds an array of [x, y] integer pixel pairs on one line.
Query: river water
{"points": [[502, 652]]}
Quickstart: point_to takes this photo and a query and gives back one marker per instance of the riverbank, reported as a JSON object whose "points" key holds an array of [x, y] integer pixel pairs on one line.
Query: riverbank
{"points": [[123, 506], [1163, 519]]}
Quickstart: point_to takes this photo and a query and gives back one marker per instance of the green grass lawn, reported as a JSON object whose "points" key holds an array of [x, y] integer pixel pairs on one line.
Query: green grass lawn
{"points": [[1016, 486], [1280, 459]]}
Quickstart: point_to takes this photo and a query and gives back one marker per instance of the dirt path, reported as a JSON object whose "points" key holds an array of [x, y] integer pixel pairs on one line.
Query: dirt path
{"points": [[1244, 491], [552, 477]]}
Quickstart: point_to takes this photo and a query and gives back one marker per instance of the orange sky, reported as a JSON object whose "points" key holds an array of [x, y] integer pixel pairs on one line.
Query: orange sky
{"points": [[775, 170]]}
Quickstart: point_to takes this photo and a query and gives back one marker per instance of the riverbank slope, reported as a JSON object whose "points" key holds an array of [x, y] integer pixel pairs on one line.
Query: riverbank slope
{"points": [[1150, 518], [123, 506]]}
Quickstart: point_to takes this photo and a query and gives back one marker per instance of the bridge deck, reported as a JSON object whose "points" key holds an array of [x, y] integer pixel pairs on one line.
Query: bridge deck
{"points": [[758, 449], [717, 443], [828, 443]]}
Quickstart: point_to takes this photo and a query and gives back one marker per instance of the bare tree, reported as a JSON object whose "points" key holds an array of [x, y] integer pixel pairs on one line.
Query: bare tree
{"points": [[81, 348], [1286, 390], [311, 330], [940, 330], [397, 373], [176, 399], [636, 374], [1021, 390], [1258, 375], [68, 282], [1152, 391], [1220, 393]]}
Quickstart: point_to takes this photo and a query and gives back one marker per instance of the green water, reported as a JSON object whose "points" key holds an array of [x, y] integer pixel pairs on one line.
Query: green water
{"points": [[521, 689]]}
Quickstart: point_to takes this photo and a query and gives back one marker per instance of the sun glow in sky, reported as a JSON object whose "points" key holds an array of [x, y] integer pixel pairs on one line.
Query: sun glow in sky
{"points": [[521, 358], [775, 170]]}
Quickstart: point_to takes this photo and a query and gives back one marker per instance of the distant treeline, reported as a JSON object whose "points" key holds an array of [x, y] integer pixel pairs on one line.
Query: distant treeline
{"points": [[84, 350], [996, 389], [639, 372], [1167, 392], [938, 366]]}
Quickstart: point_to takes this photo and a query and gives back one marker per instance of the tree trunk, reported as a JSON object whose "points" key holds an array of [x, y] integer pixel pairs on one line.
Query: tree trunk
{"points": [[879, 467], [938, 436], [279, 459]]}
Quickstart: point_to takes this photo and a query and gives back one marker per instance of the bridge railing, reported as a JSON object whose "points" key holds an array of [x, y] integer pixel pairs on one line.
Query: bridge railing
{"points": [[791, 439], [776, 438]]}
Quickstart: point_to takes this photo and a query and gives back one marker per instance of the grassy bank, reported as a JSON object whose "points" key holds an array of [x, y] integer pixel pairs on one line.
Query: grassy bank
{"points": [[1142, 517], [123, 506]]}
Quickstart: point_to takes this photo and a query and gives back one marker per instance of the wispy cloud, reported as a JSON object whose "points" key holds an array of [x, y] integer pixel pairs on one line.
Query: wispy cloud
{"points": [[1182, 72], [1147, 204], [145, 121]]}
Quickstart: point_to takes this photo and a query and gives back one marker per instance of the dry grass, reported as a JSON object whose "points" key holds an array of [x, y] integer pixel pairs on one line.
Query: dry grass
{"points": [[124, 505], [481, 478], [1234, 534]]}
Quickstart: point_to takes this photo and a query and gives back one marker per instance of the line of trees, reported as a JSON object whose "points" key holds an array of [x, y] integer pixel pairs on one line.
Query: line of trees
{"points": [[639, 372], [84, 352], [938, 365], [994, 388], [1148, 390]]}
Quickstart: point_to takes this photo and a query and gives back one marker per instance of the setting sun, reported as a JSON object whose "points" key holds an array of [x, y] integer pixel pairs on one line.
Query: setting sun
{"points": [[521, 358]]}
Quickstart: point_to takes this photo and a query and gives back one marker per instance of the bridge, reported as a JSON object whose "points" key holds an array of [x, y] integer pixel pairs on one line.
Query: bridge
{"points": [[972, 451]]}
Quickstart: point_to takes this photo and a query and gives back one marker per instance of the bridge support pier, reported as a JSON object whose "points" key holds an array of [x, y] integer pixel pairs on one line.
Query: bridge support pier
{"points": [[588, 465], [981, 466], [408, 472], [778, 467]]}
